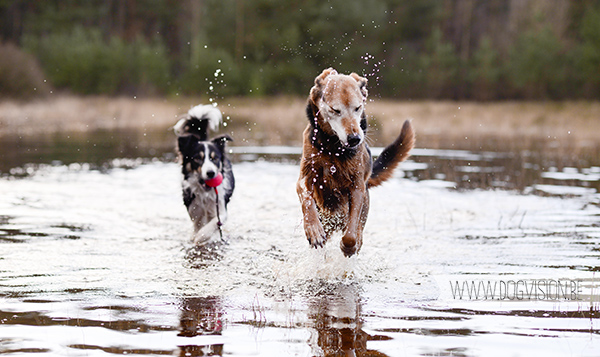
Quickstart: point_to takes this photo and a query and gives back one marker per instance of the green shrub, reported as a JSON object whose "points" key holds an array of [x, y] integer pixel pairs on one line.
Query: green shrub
{"points": [[154, 67], [588, 53], [537, 65], [213, 72], [404, 77], [439, 65], [284, 77], [85, 63], [484, 71]]}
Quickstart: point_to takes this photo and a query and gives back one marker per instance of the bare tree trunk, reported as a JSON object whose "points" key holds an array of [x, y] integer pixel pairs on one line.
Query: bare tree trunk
{"points": [[195, 28], [11, 20], [465, 13], [239, 30]]}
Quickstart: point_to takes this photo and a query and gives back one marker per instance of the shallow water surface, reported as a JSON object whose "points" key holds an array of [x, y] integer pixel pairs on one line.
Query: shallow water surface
{"points": [[95, 260]]}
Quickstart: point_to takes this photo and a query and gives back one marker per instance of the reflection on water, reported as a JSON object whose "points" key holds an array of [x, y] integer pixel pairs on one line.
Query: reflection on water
{"points": [[95, 258], [521, 170], [336, 321], [201, 316], [18, 235], [95, 148], [534, 166]]}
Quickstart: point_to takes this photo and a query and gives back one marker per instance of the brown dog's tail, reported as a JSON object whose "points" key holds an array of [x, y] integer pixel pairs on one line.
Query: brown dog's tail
{"points": [[392, 156]]}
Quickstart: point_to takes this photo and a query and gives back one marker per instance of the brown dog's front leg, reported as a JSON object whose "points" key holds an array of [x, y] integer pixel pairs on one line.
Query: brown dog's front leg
{"points": [[312, 225], [352, 239]]}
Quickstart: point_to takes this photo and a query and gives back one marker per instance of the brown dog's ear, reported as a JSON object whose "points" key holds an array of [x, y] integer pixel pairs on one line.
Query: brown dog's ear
{"points": [[362, 84], [323, 75], [317, 90]]}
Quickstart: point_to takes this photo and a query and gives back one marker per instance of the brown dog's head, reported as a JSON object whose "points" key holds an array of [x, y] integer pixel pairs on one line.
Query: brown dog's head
{"points": [[340, 104]]}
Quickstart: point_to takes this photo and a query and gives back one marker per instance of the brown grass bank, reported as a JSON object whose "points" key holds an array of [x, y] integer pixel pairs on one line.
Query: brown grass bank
{"points": [[280, 121]]}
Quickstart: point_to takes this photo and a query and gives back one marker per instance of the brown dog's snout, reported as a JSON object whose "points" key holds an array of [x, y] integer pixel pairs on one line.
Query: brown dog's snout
{"points": [[354, 140]]}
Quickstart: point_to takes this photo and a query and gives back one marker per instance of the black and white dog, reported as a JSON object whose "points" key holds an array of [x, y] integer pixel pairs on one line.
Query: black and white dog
{"points": [[208, 180]]}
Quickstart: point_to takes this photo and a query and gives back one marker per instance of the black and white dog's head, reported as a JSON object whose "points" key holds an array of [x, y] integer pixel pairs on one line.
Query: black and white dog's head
{"points": [[202, 160]]}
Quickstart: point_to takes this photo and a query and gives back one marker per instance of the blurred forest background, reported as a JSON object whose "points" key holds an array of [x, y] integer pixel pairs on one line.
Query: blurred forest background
{"points": [[428, 49]]}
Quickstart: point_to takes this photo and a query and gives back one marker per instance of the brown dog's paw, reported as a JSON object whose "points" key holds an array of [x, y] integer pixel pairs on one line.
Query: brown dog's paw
{"points": [[315, 234], [348, 246]]}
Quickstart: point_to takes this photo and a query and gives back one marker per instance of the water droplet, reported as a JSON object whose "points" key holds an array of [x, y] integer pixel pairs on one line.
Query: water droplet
{"points": [[332, 169]]}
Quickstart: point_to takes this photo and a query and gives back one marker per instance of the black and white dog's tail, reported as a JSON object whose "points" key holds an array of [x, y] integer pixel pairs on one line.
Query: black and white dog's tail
{"points": [[199, 119]]}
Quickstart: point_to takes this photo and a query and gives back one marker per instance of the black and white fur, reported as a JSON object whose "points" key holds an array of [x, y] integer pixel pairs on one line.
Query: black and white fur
{"points": [[201, 160]]}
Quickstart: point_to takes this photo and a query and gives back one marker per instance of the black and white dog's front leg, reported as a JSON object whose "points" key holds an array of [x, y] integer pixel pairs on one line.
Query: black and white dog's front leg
{"points": [[213, 227]]}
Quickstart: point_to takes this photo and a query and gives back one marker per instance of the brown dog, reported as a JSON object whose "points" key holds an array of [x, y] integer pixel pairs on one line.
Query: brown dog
{"points": [[337, 169]]}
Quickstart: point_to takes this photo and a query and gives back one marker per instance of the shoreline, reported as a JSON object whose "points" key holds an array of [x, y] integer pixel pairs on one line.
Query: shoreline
{"points": [[281, 120]]}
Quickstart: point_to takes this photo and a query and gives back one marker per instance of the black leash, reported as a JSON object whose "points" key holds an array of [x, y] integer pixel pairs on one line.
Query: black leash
{"points": [[219, 223]]}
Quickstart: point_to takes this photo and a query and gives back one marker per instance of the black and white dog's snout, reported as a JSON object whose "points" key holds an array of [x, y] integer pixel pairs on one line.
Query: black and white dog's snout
{"points": [[209, 173]]}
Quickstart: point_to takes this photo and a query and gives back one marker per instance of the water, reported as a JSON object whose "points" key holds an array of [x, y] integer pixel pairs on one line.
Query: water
{"points": [[95, 260]]}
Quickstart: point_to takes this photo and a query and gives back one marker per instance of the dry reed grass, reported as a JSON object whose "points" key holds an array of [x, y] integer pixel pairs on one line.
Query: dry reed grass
{"points": [[72, 114], [440, 121], [280, 121]]}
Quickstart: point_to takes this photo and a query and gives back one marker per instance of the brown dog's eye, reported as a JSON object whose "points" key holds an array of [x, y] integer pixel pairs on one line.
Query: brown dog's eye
{"points": [[336, 111], [357, 108]]}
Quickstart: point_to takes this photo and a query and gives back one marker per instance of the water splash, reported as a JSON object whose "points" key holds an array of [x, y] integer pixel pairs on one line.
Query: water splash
{"points": [[373, 67]]}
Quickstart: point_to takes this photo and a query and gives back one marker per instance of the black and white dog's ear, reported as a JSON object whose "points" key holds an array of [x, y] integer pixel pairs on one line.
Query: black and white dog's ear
{"points": [[220, 141], [186, 144]]}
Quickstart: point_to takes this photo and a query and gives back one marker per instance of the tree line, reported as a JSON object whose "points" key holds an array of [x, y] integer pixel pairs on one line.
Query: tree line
{"points": [[432, 49]]}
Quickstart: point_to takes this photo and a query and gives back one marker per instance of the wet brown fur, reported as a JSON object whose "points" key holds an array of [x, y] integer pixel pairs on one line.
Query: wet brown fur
{"points": [[334, 176]]}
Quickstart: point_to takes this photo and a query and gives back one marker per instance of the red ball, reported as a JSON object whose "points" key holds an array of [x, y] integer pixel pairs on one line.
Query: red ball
{"points": [[215, 181]]}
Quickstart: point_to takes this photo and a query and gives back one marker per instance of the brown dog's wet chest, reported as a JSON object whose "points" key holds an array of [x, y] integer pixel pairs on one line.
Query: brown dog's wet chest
{"points": [[331, 181], [331, 188]]}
